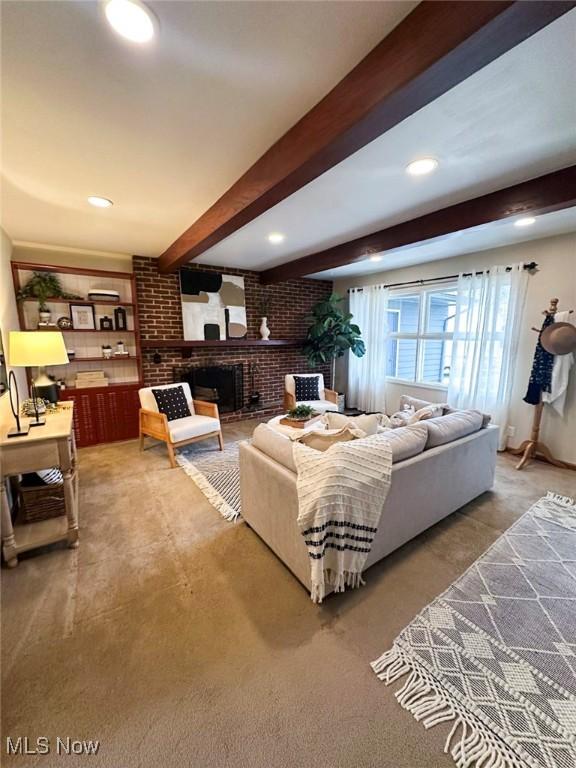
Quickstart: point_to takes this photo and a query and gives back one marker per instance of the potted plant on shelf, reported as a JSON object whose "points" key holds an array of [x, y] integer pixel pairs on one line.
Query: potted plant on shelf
{"points": [[44, 286], [331, 334]]}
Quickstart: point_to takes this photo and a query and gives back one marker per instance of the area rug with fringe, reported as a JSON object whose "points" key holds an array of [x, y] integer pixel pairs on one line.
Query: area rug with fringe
{"points": [[216, 473], [495, 655]]}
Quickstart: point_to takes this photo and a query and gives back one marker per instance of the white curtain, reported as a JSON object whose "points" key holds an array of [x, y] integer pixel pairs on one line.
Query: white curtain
{"points": [[486, 336], [367, 375]]}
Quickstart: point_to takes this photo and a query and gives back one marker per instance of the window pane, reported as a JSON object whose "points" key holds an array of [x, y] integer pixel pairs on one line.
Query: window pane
{"points": [[436, 357], [408, 309], [401, 359], [440, 311]]}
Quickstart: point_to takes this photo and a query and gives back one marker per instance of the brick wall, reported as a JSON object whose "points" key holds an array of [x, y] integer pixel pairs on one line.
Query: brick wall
{"points": [[160, 317]]}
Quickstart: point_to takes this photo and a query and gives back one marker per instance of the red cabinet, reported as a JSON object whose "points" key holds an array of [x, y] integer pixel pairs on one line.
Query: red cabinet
{"points": [[104, 414]]}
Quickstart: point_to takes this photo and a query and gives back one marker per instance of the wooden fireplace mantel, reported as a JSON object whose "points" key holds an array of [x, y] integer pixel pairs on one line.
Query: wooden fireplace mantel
{"points": [[183, 344]]}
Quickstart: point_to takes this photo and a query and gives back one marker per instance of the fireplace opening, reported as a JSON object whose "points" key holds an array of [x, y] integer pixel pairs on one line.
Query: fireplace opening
{"points": [[220, 384]]}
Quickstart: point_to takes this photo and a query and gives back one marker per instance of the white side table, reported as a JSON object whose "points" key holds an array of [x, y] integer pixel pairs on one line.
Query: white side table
{"points": [[51, 445]]}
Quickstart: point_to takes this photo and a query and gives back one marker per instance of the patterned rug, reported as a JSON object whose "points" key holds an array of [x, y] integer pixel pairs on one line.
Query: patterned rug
{"points": [[496, 653], [216, 473]]}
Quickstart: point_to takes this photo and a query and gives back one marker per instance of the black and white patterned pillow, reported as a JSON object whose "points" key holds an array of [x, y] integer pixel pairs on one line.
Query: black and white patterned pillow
{"points": [[172, 402], [307, 388]]}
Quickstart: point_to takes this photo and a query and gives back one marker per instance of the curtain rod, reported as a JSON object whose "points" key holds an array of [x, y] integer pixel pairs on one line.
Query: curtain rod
{"points": [[530, 267]]}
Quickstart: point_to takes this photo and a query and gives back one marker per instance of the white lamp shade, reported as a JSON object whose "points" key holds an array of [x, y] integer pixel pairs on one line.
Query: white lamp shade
{"points": [[36, 348]]}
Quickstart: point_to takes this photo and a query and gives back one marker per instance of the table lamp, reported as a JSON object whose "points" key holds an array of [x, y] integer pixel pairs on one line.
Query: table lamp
{"points": [[38, 349]]}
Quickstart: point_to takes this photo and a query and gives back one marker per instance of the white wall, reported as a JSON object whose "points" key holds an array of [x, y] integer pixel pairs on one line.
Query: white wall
{"points": [[61, 256], [8, 321], [556, 277]]}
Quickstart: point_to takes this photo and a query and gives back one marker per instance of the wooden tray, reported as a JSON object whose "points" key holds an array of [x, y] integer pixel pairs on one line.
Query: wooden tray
{"points": [[299, 423]]}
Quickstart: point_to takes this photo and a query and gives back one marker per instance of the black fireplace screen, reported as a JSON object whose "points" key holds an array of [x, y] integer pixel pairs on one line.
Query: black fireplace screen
{"points": [[220, 384]]}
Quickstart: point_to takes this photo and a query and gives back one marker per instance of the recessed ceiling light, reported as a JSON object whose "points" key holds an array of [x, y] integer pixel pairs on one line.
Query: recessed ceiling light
{"points": [[131, 19], [525, 221], [422, 167], [375, 258], [100, 202], [276, 237]]}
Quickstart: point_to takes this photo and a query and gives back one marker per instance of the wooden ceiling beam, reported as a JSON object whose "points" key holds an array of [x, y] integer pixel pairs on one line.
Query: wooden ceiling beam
{"points": [[438, 45], [552, 192]]}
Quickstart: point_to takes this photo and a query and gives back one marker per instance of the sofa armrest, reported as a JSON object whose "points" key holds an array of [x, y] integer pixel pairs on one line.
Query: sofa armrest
{"points": [[289, 401], [154, 424], [331, 395], [204, 408]]}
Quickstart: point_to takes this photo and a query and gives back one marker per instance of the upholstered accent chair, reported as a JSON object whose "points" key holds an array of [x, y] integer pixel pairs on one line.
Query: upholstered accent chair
{"points": [[202, 424], [328, 397]]}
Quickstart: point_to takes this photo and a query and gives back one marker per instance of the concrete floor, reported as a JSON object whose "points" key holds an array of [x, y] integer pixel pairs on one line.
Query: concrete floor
{"points": [[178, 639]]}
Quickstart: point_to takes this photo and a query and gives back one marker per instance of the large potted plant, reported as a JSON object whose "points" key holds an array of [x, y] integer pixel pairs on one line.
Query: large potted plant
{"points": [[331, 334]]}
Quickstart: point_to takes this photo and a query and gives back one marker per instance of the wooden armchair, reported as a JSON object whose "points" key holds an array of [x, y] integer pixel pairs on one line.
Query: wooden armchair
{"points": [[202, 424]]}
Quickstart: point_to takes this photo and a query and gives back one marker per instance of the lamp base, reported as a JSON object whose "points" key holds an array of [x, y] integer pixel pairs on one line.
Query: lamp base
{"points": [[18, 432], [39, 422]]}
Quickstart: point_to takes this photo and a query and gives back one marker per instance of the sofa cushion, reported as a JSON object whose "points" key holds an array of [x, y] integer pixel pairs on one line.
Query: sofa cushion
{"points": [[322, 440], [172, 402], [407, 441], [306, 388], [368, 423], [453, 426], [192, 426], [274, 444]]}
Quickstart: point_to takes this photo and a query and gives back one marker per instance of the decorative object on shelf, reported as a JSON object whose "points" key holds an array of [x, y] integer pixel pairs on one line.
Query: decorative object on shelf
{"points": [[254, 397], [265, 307], [106, 323], [121, 349], [83, 317], [103, 294], [300, 417], [71, 354], [106, 351], [20, 430], [28, 349], [213, 305], [120, 320], [331, 334], [44, 286], [264, 330], [31, 408], [64, 323], [543, 385], [89, 379]]}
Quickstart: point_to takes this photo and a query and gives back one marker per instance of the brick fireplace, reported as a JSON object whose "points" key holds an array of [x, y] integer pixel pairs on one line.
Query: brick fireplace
{"points": [[160, 318]]}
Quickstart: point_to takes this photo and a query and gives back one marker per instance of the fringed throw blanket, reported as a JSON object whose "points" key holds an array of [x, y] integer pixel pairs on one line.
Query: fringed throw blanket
{"points": [[495, 655], [341, 493]]}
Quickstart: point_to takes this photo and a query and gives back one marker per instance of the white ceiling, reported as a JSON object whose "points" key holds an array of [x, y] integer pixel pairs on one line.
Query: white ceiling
{"points": [[512, 121], [494, 235], [163, 130]]}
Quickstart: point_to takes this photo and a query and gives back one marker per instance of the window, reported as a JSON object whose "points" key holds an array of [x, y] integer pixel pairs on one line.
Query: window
{"points": [[421, 325]]}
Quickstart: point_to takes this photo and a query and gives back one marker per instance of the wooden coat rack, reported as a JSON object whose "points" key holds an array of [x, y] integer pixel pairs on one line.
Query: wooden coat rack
{"points": [[534, 448]]}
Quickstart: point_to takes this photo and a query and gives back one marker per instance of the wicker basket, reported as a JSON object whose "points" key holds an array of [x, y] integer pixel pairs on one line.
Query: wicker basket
{"points": [[41, 502]]}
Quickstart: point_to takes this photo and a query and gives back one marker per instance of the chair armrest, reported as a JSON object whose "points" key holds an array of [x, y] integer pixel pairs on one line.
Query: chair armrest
{"points": [[331, 395], [289, 401], [154, 424], [204, 408]]}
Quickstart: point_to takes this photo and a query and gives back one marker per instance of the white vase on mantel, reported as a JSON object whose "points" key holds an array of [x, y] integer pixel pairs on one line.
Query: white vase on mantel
{"points": [[264, 330]]}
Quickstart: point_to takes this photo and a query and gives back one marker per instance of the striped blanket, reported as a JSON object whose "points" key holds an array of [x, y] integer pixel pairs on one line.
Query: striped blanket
{"points": [[341, 493]]}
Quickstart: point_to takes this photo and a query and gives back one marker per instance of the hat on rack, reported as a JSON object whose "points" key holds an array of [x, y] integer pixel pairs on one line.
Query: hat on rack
{"points": [[559, 338]]}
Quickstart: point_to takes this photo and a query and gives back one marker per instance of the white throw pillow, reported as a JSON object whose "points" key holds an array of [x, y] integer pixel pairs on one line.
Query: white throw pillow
{"points": [[428, 412], [368, 423], [322, 441]]}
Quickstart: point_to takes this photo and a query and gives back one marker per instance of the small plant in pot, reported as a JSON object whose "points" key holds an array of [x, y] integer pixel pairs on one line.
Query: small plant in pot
{"points": [[301, 413], [44, 286]]}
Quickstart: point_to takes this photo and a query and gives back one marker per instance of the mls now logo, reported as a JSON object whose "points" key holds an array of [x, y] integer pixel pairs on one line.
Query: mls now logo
{"points": [[42, 746]]}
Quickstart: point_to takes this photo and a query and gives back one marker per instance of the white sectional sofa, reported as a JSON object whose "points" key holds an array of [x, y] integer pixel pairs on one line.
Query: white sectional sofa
{"points": [[425, 488]]}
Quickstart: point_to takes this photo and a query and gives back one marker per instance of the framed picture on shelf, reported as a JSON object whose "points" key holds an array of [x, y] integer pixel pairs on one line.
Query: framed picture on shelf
{"points": [[83, 317]]}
